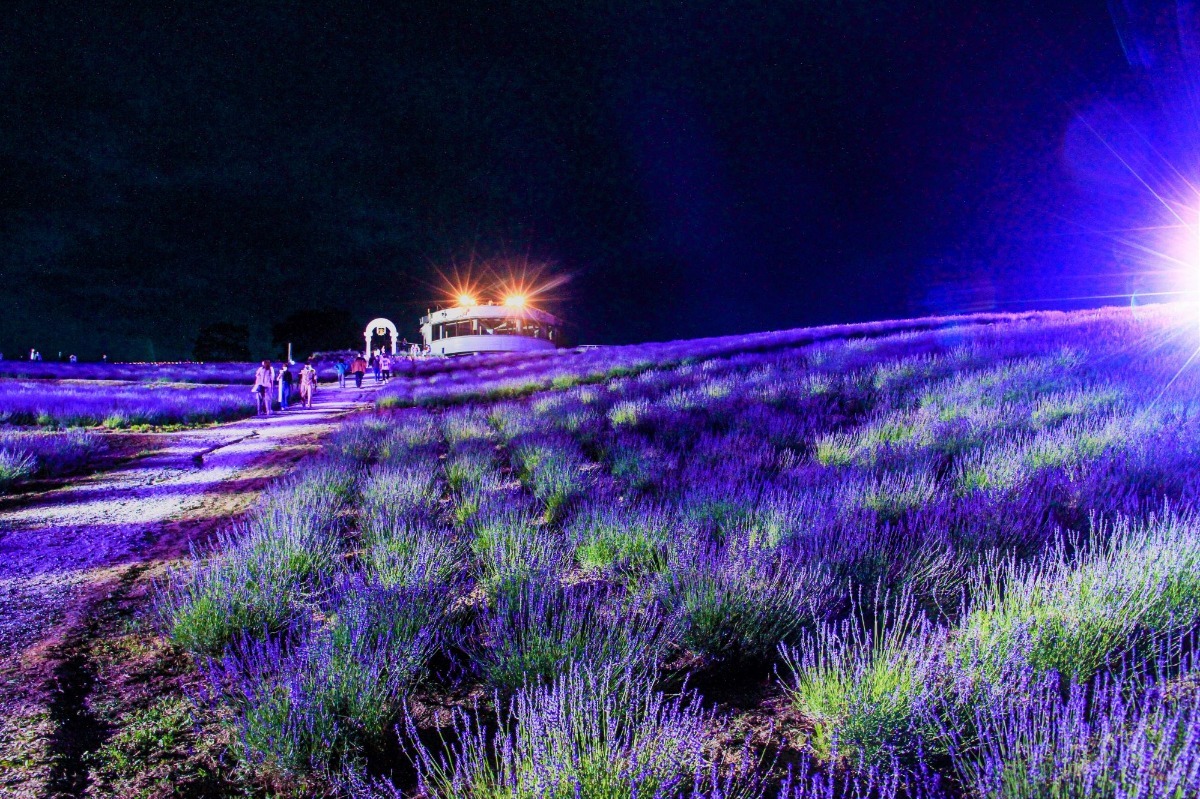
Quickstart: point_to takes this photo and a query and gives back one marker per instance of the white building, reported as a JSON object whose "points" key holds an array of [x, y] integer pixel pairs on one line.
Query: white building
{"points": [[470, 329]]}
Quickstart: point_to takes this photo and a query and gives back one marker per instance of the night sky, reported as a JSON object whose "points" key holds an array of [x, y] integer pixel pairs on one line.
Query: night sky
{"points": [[694, 168]]}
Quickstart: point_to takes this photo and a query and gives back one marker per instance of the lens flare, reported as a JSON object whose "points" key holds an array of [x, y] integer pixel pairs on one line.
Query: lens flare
{"points": [[515, 300], [466, 300]]}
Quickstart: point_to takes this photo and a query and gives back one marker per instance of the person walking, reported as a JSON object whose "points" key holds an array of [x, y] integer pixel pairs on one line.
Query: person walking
{"points": [[375, 367], [264, 387], [285, 379], [385, 366], [308, 384], [358, 368], [340, 368]]}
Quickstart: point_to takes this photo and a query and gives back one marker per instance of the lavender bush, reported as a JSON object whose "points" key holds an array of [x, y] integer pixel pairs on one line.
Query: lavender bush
{"points": [[513, 545], [26, 454], [261, 575], [15, 466], [129, 372], [319, 696], [541, 629], [576, 737], [1102, 740], [736, 604], [861, 682], [621, 541]]}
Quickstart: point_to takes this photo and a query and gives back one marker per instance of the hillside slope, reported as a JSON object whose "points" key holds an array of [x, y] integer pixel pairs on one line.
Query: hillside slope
{"points": [[946, 557]]}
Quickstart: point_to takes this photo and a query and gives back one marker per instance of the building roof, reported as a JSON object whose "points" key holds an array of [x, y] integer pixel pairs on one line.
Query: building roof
{"points": [[490, 312]]}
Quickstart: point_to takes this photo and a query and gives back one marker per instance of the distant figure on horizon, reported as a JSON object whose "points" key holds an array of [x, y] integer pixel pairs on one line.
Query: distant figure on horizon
{"points": [[427, 351], [285, 386], [72, 359], [358, 368], [264, 385], [340, 368], [385, 366], [308, 384], [414, 351]]}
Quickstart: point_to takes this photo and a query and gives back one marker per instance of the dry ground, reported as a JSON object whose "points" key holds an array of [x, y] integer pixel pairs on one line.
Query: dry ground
{"points": [[89, 696]]}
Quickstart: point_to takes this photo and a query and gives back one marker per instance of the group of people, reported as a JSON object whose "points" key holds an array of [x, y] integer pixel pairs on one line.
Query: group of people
{"points": [[36, 355], [356, 368], [268, 384], [380, 363]]}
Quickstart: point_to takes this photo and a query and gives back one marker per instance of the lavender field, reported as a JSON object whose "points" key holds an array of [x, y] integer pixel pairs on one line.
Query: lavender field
{"points": [[27, 454], [55, 428], [118, 405], [132, 372], [941, 561]]}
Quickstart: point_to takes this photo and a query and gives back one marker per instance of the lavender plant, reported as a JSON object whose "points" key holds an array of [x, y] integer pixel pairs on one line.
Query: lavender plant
{"points": [[1079, 614], [621, 540], [512, 544], [260, 575], [576, 737], [15, 467], [860, 682], [1101, 740], [540, 629], [27, 454], [323, 695], [553, 471], [737, 604]]}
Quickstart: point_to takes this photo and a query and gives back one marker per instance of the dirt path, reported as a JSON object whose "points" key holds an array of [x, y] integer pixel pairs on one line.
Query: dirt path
{"points": [[66, 552]]}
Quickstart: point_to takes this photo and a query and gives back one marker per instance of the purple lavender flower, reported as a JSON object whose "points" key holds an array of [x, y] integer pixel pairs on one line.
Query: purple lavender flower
{"points": [[590, 733], [540, 629]]}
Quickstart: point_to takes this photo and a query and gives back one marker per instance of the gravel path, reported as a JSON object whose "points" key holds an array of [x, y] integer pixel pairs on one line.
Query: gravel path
{"points": [[58, 545]]}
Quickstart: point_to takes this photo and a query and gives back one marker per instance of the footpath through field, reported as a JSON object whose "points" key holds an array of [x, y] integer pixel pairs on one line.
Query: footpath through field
{"points": [[64, 550]]}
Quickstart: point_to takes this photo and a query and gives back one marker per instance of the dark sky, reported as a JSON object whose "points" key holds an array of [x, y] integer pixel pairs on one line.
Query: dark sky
{"points": [[696, 168]]}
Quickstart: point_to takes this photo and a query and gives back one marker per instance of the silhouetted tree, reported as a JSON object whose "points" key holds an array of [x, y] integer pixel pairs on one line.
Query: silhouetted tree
{"points": [[222, 341], [315, 330]]}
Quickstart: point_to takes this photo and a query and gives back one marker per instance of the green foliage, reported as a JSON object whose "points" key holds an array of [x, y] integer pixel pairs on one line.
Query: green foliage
{"points": [[1080, 614], [622, 545], [737, 607], [260, 575], [627, 413], [552, 471], [14, 467], [859, 683], [510, 546]]}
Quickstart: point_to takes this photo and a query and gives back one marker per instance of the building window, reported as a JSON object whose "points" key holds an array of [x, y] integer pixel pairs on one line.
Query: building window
{"points": [[461, 327]]}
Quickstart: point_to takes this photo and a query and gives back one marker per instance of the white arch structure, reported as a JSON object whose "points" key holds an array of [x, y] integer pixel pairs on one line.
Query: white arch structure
{"points": [[372, 326]]}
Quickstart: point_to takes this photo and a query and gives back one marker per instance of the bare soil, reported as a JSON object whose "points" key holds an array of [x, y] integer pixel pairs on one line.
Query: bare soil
{"points": [[83, 677]]}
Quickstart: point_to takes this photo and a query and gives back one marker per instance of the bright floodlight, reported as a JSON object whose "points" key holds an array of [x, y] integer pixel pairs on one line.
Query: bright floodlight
{"points": [[465, 300], [515, 300]]}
